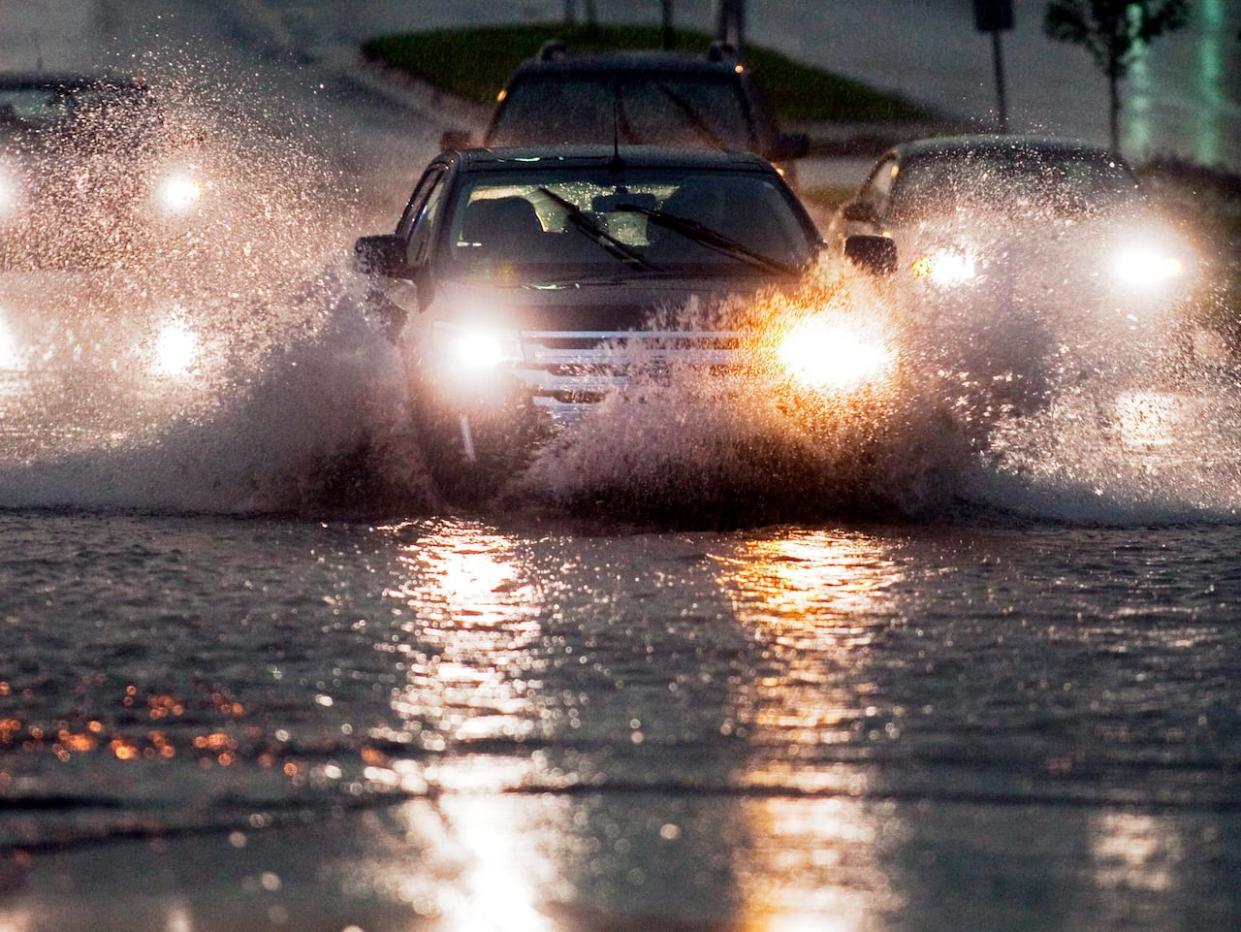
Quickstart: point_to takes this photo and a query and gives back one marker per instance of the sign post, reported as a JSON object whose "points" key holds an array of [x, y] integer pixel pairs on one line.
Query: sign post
{"points": [[730, 22], [996, 16]]}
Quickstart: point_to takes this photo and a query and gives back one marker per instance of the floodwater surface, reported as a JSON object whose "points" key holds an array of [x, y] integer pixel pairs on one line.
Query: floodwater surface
{"points": [[254, 673], [536, 725]]}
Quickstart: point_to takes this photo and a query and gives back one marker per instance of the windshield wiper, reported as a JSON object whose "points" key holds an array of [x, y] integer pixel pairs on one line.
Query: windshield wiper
{"points": [[713, 239], [597, 234]]}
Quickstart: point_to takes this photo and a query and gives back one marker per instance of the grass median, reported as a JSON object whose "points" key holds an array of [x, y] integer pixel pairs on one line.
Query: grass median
{"points": [[475, 63]]}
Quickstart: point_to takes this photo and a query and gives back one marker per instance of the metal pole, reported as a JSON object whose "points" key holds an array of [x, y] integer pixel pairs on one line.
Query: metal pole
{"points": [[730, 22], [1001, 98]]}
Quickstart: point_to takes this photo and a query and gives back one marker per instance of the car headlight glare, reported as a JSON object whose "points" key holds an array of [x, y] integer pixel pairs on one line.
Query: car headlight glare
{"points": [[179, 193], [11, 357], [947, 267], [832, 352], [1143, 266], [476, 348], [176, 350]]}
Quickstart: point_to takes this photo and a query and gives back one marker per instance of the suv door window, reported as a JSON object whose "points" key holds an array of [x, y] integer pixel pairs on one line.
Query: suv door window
{"points": [[423, 221], [878, 188], [418, 199]]}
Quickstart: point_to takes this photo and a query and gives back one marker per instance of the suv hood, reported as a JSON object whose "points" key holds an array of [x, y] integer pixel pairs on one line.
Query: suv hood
{"points": [[595, 304]]}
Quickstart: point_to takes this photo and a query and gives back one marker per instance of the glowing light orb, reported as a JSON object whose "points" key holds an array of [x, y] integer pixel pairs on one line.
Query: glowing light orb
{"points": [[835, 353], [179, 193], [176, 350], [10, 351], [947, 267], [1143, 266]]}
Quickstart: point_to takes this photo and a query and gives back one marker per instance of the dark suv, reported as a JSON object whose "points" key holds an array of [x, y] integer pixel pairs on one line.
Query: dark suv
{"points": [[637, 98]]}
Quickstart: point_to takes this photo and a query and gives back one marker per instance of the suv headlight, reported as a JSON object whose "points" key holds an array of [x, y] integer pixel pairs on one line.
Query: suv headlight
{"points": [[833, 352], [476, 348]]}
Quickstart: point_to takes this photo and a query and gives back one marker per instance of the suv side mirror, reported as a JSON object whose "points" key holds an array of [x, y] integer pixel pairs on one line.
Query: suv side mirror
{"points": [[381, 255], [456, 139], [860, 212], [873, 254], [789, 146]]}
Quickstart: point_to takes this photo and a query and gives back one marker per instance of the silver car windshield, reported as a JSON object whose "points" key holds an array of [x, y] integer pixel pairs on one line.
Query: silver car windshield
{"points": [[525, 227], [1012, 181]]}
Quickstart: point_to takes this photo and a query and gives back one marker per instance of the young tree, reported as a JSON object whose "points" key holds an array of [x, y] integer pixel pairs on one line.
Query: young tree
{"points": [[1114, 32]]}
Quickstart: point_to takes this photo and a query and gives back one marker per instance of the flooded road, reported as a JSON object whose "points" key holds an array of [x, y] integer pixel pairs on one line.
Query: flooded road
{"points": [[532, 725], [1009, 700]]}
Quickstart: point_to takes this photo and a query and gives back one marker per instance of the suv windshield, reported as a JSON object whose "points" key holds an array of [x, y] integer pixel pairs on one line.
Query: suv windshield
{"points": [[1012, 181], [651, 109], [537, 226]]}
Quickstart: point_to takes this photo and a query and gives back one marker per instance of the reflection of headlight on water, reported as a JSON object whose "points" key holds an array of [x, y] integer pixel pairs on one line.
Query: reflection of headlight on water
{"points": [[835, 352], [179, 193], [176, 350]]}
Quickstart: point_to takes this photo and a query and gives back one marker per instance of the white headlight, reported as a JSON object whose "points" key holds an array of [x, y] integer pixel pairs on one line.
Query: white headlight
{"points": [[10, 352], [176, 349], [834, 352], [1144, 266], [476, 348], [178, 193], [947, 267]]}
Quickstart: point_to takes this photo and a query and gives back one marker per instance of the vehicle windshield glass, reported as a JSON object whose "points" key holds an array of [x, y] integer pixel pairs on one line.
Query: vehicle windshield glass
{"points": [[38, 108], [652, 109], [537, 226], [1011, 181]]}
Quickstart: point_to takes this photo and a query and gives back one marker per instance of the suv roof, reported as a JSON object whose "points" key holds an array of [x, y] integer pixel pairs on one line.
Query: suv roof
{"points": [[522, 158], [959, 145]]}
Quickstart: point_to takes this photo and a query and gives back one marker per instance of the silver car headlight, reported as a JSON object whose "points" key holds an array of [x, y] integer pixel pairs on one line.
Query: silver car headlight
{"points": [[12, 192]]}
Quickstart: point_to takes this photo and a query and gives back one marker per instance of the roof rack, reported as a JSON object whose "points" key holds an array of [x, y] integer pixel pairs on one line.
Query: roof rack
{"points": [[721, 50], [552, 50]]}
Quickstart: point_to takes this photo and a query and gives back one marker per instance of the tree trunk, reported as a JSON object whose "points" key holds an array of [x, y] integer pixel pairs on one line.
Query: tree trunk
{"points": [[570, 11], [592, 13], [670, 40], [1113, 82]]}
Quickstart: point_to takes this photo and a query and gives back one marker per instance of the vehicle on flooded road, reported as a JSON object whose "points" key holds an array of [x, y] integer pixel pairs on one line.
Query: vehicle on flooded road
{"points": [[526, 284], [90, 172], [959, 212], [639, 98], [1027, 249], [100, 193]]}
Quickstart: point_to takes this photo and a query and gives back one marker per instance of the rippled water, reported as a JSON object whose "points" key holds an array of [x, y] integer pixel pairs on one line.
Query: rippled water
{"points": [[530, 724], [924, 685]]}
